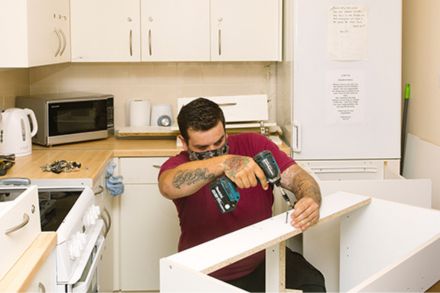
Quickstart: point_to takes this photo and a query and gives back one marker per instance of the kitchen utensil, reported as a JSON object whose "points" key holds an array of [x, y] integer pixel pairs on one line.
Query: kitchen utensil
{"points": [[161, 115], [139, 112], [15, 131]]}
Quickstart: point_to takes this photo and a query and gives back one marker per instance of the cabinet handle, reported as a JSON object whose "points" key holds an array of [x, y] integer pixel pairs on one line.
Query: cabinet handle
{"points": [[227, 104], [150, 51], [219, 42], [156, 166], [100, 190], [59, 43], [64, 42], [19, 226], [131, 42], [41, 287]]}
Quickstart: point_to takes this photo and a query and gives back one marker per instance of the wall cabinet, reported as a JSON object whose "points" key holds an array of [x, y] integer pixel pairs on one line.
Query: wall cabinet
{"points": [[34, 33], [149, 228], [176, 30]]}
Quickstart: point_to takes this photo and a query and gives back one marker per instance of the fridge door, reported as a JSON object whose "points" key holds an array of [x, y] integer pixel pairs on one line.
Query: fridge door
{"points": [[346, 79]]}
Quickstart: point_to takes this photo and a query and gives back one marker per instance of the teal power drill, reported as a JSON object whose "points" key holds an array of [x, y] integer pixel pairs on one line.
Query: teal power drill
{"points": [[225, 192]]}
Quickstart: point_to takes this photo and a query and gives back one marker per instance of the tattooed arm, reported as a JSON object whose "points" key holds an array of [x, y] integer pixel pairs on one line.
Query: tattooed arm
{"points": [[188, 178], [307, 193]]}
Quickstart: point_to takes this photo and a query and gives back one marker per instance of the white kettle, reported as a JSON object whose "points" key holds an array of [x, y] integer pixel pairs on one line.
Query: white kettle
{"points": [[15, 131]]}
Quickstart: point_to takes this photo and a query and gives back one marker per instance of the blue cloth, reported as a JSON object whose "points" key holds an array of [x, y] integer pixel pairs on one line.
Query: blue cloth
{"points": [[114, 184]]}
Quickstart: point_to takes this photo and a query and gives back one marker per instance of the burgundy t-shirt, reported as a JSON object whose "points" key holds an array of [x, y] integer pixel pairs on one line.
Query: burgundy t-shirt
{"points": [[200, 218]]}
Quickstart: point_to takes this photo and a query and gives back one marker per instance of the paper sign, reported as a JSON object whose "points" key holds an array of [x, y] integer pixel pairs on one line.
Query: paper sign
{"points": [[347, 32], [345, 92]]}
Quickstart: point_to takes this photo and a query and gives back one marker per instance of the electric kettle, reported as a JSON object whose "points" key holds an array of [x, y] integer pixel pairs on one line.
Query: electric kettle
{"points": [[15, 131]]}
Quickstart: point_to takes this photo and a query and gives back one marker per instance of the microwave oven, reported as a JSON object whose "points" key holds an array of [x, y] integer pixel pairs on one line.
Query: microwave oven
{"points": [[70, 117]]}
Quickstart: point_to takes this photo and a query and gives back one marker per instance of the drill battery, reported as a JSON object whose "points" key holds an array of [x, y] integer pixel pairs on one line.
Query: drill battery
{"points": [[225, 193]]}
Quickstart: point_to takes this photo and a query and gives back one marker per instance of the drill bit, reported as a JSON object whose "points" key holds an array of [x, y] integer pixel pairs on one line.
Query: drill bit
{"points": [[286, 198]]}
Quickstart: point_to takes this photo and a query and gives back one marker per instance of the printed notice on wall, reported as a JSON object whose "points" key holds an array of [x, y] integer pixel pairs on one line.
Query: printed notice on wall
{"points": [[344, 97], [347, 32]]}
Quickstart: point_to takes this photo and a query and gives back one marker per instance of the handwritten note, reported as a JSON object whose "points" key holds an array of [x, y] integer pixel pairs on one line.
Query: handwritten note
{"points": [[347, 32]]}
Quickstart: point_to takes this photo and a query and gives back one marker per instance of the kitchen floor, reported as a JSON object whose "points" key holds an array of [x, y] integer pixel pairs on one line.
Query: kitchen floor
{"points": [[435, 288]]}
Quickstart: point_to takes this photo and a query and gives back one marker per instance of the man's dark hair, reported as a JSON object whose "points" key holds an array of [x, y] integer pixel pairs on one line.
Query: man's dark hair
{"points": [[200, 114]]}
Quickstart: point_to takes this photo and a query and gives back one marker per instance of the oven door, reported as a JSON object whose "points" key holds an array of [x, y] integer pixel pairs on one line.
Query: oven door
{"points": [[88, 282]]}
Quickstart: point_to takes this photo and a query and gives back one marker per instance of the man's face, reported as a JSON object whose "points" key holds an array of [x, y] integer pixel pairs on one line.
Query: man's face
{"points": [[204, 142]]}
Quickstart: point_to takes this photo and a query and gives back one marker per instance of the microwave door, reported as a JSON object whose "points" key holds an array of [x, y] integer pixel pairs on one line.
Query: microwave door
{"points": [[77, 117]]}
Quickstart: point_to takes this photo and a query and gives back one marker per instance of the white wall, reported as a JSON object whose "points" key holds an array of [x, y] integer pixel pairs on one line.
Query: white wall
{"points": [[421, 68], [158, 82]]}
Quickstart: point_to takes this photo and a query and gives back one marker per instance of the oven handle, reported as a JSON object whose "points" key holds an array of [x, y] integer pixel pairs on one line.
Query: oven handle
{"points": [[83, 286], [107, 222]]}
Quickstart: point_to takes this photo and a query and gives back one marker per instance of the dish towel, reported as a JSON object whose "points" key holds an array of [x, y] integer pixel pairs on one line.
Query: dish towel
{"points": [[114, 184]]}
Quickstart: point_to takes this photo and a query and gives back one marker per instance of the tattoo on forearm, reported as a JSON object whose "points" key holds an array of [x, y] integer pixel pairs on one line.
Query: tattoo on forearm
{"points": [[189, 177], [301, 184], [234, 164]]}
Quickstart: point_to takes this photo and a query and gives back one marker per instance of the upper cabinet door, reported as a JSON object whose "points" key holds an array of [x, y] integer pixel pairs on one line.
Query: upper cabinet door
{"points": [[246, 30], [175, 30], [105, 30], [49, 32]]}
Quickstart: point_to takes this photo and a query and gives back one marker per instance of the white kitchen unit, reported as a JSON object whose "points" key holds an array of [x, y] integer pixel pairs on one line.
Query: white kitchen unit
{"points": [[34, 33], [376, 251], [105, 30], [45, 279], [246, 30], [19, 223], [175, 30], [149, 226]]}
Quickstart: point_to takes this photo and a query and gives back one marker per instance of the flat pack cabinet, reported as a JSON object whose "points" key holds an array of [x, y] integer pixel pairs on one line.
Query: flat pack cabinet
{"points": [[380, 248], [34, 33], [149, 228]]}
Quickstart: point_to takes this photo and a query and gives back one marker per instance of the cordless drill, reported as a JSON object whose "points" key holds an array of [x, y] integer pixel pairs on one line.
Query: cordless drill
{"points": [[225, 191]]}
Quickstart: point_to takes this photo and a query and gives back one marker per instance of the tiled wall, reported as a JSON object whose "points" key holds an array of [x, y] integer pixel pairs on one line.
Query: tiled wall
{"points": [[157, 82], [13, 82]]}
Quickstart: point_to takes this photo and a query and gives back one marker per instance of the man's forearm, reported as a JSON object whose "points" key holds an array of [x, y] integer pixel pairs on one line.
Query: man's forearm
{"points": [[301, 183], [188, 178]]}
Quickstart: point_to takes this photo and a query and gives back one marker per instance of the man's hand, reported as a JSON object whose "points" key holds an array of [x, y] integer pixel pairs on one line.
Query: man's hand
{"points": [[305, 214], [244, 172]]}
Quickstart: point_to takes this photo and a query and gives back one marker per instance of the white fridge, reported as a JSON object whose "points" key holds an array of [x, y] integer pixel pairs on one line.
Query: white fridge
{"points": [[339, 104]]}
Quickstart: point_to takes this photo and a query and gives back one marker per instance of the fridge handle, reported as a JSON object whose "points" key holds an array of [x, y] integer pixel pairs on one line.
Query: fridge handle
{"points": [[296, 147]]}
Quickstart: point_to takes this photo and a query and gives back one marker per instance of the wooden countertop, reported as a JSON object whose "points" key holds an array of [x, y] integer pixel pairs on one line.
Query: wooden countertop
{"points": [[23, 272], [92, 155]]}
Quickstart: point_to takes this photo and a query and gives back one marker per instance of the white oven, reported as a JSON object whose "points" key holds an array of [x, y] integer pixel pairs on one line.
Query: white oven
{"points": [[71, 212]]}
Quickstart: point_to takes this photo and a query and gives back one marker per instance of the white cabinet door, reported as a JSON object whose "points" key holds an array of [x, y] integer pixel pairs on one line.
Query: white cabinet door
{"points": [[105, 30], [149, 231], [246, 30], [49, 32], [175, 30], [45, 280], [149, 228]]}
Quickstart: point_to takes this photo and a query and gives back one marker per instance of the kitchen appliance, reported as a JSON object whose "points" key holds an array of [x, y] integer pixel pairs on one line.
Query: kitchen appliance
{"points": [[161, 115], [71, 212], [17, 127], [140, 112], [70, 117]]}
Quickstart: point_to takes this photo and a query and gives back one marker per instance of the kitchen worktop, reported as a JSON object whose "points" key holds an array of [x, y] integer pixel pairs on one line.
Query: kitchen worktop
{"points": [[92, 155]]}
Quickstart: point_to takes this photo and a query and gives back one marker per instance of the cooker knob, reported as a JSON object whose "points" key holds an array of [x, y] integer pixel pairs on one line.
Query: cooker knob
{"points": [[74, 249], [81, 237]]}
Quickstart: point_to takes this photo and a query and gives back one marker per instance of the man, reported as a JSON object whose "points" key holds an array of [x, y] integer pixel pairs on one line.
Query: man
{"points": [[209, 153]]}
